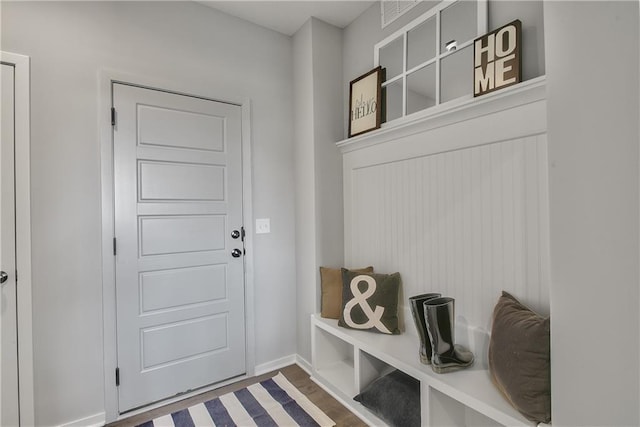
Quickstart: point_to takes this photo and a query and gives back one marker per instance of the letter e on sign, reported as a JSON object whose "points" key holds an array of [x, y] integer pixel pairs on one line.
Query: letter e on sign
{"points": [[496, 59]]}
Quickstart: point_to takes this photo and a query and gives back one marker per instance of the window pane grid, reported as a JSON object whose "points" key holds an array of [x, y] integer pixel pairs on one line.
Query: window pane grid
{"points": [[424, 64], [418, 47], [393, 80]]}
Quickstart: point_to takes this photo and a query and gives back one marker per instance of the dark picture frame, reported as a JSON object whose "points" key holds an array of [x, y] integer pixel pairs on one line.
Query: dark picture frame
{"points": [[365, 102]]}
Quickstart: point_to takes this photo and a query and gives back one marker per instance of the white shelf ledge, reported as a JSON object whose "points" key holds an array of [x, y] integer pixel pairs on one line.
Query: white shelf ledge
{"points": [[450, 113]]}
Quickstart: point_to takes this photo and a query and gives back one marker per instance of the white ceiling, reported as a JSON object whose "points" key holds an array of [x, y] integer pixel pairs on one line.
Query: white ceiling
{"points": [[287, 17]]}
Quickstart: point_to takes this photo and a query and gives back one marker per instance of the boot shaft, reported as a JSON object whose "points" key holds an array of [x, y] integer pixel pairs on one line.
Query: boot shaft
{"points": [[439, 315], [417, 311], [417, 308]]}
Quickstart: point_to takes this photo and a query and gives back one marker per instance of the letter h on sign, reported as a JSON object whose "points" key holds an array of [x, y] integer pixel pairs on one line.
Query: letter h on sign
{"points": [[497, 59]]}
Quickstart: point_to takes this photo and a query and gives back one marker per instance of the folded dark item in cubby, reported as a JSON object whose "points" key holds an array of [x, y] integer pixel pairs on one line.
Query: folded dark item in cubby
{"points": [[331, 287], [394, 398], [370, 301], [520, 358]]}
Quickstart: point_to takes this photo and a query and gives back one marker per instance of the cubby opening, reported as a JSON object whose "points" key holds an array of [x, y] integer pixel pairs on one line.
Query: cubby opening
{"points": [[334, 361], [371, 368], [345, 362], [445, 411]]}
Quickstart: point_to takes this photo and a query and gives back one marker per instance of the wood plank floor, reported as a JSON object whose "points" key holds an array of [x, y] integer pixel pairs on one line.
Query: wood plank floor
{"points": [[296, 375]]}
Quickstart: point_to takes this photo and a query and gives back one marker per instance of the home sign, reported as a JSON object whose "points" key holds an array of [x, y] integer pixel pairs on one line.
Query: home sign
{"points": [[497, 59], [365, 95]]}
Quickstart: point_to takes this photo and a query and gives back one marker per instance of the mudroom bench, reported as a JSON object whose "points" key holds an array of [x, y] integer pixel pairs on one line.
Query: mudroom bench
{"points": [[345, 361]]}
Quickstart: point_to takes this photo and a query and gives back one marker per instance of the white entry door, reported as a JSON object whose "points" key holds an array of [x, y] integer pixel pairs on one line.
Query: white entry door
{"points": [[178, 244], [9, 415]]}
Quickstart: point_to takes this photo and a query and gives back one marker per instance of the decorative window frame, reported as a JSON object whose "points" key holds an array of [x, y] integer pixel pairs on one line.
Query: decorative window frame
{"points": [[482, 25]]}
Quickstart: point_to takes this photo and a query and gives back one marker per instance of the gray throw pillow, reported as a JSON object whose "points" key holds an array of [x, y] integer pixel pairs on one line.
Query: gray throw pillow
{"points": [[519, 358], [394, 398], [370, 301]]}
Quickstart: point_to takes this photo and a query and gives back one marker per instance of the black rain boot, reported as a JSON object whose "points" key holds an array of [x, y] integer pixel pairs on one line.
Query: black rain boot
{"points": [[447, 355], [417, 311]]}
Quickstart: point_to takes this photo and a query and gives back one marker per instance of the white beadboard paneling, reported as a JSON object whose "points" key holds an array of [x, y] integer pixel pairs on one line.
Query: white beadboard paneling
{"points": [[468, 223]]}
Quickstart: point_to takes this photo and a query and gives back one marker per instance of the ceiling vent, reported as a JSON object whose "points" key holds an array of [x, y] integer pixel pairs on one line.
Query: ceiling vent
{"points": [[394, 9]]}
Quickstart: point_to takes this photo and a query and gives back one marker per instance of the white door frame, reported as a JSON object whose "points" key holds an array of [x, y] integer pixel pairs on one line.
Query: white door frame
{"points": [[106, 79], [23, 233]]}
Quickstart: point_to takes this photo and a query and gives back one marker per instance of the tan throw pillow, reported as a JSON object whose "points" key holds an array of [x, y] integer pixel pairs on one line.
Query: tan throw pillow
{"points": [[331, 284], [520, 358]]}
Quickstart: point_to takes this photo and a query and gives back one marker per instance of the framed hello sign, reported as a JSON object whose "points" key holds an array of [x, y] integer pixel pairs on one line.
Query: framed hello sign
{"points": [[365, 102], [497, 60]]}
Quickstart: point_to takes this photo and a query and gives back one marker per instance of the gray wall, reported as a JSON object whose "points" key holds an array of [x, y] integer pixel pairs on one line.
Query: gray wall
{"points": [[592, 86], [363, 33], [182, 42], [593, 149], [317, 52]]}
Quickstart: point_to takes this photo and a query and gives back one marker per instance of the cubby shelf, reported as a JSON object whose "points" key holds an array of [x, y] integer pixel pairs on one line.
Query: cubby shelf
{"points": [[342, 364]]}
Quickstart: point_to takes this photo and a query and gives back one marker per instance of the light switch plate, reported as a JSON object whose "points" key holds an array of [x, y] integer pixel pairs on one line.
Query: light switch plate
{"points": [[263, 226]]}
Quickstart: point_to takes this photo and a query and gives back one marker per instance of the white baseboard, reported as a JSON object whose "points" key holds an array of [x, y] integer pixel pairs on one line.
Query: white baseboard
{"points": [[263, 368], [304, 364], [97, 420], [282, 362]]}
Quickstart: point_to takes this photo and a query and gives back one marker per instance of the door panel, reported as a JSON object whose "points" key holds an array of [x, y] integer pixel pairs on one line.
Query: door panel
{"points": [[178, 196], [165, 289], [167, 127], [175, 342], [175, 234], [9, 414], [180, 181]]}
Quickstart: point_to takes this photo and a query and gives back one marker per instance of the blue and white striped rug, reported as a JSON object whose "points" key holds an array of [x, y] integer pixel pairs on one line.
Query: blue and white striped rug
{"points": [[270, 403]]}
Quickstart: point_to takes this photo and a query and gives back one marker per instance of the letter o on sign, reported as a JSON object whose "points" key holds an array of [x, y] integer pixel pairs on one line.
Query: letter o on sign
{"points": [[510, 32]]}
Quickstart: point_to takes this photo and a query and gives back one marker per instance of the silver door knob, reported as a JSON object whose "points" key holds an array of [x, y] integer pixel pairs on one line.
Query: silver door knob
{"points": [[3, 277], [236, 253]]}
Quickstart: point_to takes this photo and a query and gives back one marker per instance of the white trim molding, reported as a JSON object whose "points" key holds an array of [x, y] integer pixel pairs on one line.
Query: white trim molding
{"points": [[106, 79], [96, 420], [247, 212], [272, 365], [461, 110], [21, 65], [304, 364]]}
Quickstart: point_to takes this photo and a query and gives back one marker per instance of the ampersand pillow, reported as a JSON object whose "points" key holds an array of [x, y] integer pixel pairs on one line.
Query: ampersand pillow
{"points": [[370, 301]]}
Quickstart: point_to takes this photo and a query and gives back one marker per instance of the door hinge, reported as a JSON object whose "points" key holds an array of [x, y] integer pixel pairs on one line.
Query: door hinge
{"points": [[114, 246], [117, 377], [113, 116]]}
